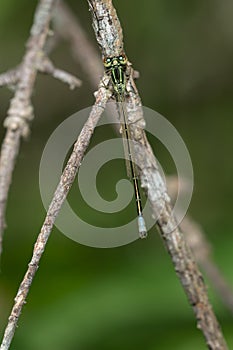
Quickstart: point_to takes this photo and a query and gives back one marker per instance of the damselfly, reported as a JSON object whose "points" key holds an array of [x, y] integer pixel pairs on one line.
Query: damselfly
{"points": [[116, 68]]}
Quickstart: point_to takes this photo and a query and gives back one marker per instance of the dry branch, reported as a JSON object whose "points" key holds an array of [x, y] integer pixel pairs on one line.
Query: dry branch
{"points": [[46, 66], [9, 78], [20, 112], [109, 37], [60, 194]]}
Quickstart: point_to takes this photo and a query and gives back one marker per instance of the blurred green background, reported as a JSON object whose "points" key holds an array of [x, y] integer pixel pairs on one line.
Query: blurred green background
{"points": [[127, 297]]}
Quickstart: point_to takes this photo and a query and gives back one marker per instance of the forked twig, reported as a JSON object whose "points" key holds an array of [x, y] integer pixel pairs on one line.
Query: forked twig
{"points": [[67, 26], [109, 37], [20, 112]]}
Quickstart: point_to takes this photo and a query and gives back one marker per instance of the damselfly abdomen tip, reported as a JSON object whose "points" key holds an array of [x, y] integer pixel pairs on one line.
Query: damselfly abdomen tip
{"points": [[142, 227]]}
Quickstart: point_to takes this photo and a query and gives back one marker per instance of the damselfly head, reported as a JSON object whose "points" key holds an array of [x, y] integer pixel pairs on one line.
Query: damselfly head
{"points": [[115, 61]]}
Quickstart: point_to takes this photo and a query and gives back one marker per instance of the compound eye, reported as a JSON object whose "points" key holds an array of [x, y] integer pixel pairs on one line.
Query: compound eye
{"points": [[107, 62], [122, 59]]}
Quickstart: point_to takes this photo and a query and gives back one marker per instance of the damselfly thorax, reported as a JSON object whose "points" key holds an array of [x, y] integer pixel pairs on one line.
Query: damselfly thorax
{"points": [[116, 67]]}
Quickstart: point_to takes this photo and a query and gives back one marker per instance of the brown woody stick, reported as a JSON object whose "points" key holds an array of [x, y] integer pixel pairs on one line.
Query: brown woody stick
{"points": [[60, 194], [20, 112], [110, 39], [68, 27]]}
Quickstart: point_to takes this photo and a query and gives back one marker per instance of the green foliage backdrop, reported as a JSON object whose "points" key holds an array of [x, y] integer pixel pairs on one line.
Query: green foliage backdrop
{"points": [[128, 297]]}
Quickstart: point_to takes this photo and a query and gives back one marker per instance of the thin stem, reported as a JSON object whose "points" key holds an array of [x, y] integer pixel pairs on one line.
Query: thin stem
{"points": [[9, 78], [60, 195], [46, 66]]}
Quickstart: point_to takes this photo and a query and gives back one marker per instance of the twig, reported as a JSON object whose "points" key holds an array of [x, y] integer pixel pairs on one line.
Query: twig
{"points": [[60, 194], [20, 112], [47, 67], [9, 78], [68, 27], [109, 36]]}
